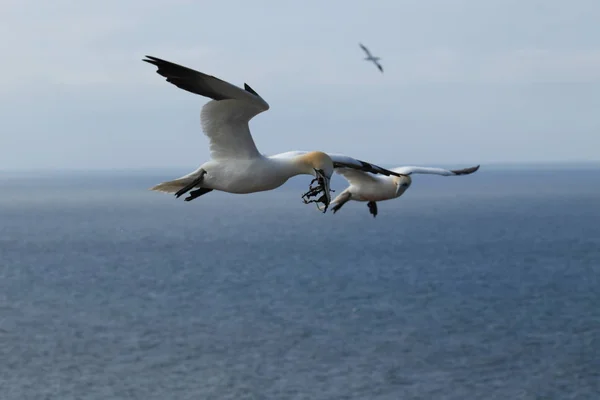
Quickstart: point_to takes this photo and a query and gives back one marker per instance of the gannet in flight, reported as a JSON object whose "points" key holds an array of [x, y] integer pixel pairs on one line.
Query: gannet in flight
{"points": [[372, 188], [371, 58], [236, 166]]}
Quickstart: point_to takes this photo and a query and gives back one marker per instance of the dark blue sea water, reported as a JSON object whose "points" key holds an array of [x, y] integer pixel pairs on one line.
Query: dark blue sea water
{"points": [[477, 287]]}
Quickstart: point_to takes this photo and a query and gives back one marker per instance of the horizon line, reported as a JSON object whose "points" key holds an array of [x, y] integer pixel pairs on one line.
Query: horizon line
{"points": [[500, 165], [492, 165]]}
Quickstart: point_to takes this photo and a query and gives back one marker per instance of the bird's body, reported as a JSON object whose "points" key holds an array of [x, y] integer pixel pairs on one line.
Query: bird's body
{"points": [[371, 188], [380, 190], [242, 176], [236, 165]]}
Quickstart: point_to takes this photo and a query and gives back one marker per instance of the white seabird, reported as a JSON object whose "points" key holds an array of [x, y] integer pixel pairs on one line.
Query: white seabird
{"points": [[373, 188], [236, 166], [369, 57]]}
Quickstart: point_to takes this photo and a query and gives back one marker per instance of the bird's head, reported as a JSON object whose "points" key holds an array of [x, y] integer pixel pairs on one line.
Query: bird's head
{"points": [[402, 183]]}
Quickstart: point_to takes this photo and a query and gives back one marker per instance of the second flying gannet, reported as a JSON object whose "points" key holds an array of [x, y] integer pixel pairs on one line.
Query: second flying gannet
{"points": [[372, 188], [236, 166], [369, 57]]}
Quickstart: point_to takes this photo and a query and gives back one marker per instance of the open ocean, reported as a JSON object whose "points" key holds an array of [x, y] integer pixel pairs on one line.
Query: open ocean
{"points": [[478, 287]]}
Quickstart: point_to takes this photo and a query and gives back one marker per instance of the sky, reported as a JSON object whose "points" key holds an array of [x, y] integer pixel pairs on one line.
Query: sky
{"points": [[466, 81]]}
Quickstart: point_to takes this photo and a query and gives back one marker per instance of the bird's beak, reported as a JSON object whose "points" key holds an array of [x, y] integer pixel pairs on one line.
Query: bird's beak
{"points": [[326, 198], [323, 185], [400, 188]]}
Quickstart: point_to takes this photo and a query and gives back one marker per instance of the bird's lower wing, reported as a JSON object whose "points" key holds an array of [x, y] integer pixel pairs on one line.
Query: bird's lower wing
{"points": [[225, 123], [409, 170]]}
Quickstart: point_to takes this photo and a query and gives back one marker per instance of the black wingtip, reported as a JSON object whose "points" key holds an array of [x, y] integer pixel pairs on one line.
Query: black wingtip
{"points": [[465, 171], [153, 60], [387, 172], [249, 89]]}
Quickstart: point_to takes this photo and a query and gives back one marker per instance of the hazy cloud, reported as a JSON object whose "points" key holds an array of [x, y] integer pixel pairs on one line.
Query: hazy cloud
{"points": [[465, 81]]}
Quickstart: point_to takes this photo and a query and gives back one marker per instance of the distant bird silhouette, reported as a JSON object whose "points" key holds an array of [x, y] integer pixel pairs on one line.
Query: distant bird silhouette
{"points": [[371, 58]]}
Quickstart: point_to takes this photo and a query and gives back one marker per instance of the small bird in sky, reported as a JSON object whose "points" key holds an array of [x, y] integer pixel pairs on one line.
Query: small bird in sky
{"points": [[371, 58]]}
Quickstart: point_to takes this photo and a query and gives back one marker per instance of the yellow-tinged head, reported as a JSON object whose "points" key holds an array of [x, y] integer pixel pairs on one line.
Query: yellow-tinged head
{"points": [[317, 160]]}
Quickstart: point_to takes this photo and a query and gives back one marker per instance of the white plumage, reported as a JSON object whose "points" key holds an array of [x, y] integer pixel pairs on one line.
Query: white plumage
{"points": [[373, 188], [236, 165]]}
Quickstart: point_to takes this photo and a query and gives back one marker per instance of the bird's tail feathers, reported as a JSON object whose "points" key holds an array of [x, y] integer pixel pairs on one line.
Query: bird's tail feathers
{"points": [[173, 186]]}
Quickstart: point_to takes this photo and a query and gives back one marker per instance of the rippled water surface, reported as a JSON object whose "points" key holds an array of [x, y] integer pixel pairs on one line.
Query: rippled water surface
{"points": [[478, 287]]}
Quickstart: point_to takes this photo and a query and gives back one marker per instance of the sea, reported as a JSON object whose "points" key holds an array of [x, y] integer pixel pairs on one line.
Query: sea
{"points": [[475, 287]]}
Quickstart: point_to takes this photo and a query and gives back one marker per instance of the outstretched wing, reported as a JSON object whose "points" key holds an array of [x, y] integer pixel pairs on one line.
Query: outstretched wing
{"points": [[378, 66], [435, 171], [354, 176], [365, 50], [225, 119], [342, 161]]}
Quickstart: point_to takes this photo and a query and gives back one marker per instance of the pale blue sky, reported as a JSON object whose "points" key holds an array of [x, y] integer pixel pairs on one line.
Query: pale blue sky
{"points": [[465, 81]]}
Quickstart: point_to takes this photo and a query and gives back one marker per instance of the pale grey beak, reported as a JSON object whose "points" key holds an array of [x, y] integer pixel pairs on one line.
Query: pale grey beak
{"points": [[327, 195], [324, 183], [401, 188]]}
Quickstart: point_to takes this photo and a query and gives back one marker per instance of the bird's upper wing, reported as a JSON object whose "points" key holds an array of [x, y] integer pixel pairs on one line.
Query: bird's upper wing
{"points": [[365, 49], [435, 171], [342, 161], [225, 119]]}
